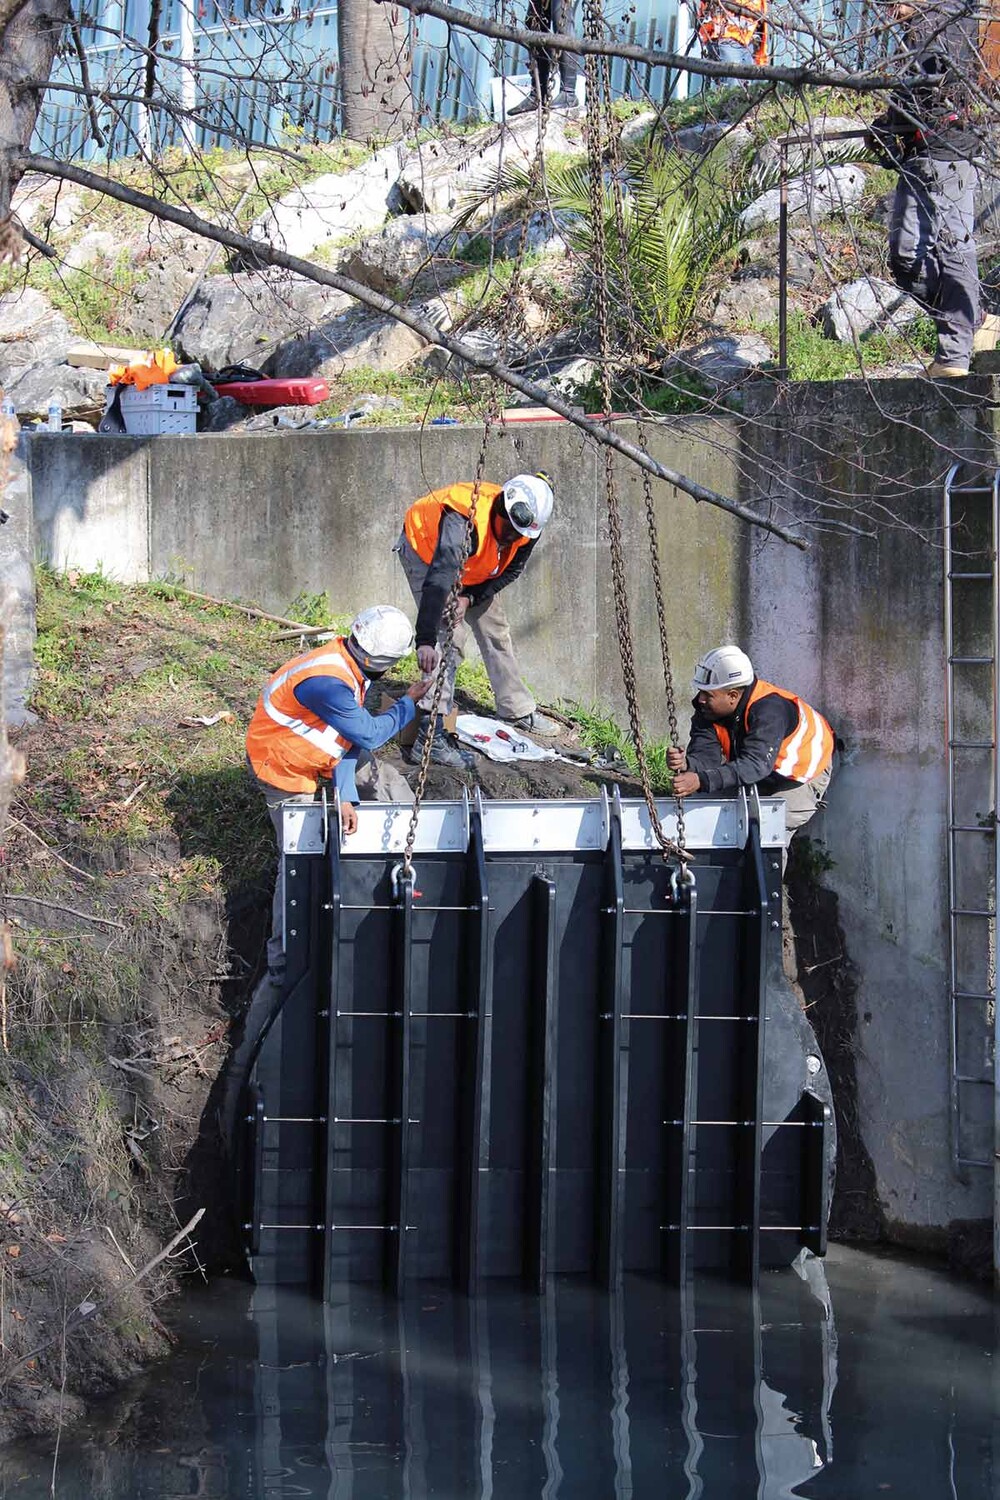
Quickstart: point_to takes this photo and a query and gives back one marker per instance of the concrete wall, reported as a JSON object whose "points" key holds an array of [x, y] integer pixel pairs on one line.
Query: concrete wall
{"points": [[854, 623]]}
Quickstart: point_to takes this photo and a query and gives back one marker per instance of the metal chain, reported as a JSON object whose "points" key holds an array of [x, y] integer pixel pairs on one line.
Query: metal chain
{"points": [[598, 117], [633, 345]]}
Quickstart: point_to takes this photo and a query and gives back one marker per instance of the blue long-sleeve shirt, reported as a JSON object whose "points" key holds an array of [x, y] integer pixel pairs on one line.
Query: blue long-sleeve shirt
{"points": [[332, 701]]}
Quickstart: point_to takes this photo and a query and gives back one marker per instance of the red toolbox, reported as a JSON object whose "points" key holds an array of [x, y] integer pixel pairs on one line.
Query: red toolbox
{"points": [[275, 392]]}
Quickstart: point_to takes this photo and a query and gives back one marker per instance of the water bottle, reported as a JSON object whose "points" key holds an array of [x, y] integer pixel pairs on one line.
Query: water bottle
{"points": [[7, 409], [55, 416]]}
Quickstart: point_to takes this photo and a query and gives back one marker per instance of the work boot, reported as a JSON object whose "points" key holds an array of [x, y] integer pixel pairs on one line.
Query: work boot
{"points": [[536, 723], [938, 371], [527, 106], [565, 99], [444, 752], [987, 335]]}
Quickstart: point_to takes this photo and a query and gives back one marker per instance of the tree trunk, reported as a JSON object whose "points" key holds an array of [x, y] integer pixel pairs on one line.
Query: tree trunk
{"points": [[29, 36], [374, 42]]}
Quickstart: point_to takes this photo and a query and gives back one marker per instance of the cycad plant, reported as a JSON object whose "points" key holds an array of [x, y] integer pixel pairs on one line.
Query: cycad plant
{"points": [[680, 216]]}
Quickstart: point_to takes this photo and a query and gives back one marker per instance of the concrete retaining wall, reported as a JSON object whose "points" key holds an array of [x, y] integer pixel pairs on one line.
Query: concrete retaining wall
{"points": [[854, 624]]}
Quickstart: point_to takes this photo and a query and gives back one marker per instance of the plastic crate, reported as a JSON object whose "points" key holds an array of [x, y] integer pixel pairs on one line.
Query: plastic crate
{"points": [[159, 409]]}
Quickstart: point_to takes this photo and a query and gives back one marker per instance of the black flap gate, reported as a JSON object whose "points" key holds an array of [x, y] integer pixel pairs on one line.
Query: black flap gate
{"points": [[545, 1052]]}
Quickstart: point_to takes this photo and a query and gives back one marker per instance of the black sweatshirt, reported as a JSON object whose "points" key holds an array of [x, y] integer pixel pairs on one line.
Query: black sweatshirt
{"points": [[448, 557], [929, 110], [755, 739]]}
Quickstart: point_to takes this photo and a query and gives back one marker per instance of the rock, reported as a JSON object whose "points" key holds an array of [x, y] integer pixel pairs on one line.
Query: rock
{"points": [[223, 414], [722, 360], [440, 361], [348, 341], [66, 210], [699, 139], [571, 378], [441, 172], [80, 393], [752, 301], [247, 316], [31, 333], [820, 151], [393, 259], [95, 245], [760, 259], [335, 205], [638, 128], [543, 237], [826, 191], [865, 306]]}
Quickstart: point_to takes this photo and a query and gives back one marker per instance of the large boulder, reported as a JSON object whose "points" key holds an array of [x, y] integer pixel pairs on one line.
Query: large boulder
{"points": [[723, 360], [639, 128], [245, 317], [334, 206], [80, 393], [828, 190], [700, 139], [31, 333], [543, 236], [754, 301], [821, 149], [351, 340], [408, 248], [441, 172], [868, 305]]}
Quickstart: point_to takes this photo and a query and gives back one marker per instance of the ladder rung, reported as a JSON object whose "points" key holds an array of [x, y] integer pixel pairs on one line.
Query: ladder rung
{"points": [[971, 745], [971, 828], [970, 995], [969, 577], [967, 911], [971, 489], [741, 1228], [973, 1078], [970, 661], [975, 1161]]}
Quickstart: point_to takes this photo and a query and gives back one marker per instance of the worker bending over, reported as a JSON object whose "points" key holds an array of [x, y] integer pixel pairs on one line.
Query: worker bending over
{"points": [[509, 519], [747, 732], [733, 34], [310, 725]]}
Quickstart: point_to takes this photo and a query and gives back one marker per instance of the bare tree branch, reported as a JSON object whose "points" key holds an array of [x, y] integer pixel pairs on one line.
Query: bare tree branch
{"points": [[490, 364]]}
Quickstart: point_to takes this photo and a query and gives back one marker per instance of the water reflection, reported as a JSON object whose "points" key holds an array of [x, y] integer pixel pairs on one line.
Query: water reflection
{"points": [[716, 1393]]}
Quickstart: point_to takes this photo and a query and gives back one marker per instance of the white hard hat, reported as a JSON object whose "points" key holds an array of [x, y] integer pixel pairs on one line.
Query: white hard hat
{"points": [[382, 635], [725, 667], [528, 501]]}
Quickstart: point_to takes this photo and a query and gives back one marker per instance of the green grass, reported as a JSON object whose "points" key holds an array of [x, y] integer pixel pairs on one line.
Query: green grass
{"points": [[600, 731], [812, 356]]}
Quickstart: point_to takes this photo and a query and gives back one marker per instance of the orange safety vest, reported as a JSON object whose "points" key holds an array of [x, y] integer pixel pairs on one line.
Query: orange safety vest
{"points": [[289, 747], [718, 24], [422, 524], [804, 753]]}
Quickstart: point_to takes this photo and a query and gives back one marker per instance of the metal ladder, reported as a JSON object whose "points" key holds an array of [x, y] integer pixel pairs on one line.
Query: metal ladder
{"points": [[971, 530]]}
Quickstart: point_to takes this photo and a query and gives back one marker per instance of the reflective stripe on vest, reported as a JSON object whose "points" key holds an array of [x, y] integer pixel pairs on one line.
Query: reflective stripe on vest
{"points": [[804, 753], [288, 746], [422, 526]]}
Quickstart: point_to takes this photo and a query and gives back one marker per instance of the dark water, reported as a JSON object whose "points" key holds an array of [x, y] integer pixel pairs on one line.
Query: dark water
{"points": [[874, 1378]]}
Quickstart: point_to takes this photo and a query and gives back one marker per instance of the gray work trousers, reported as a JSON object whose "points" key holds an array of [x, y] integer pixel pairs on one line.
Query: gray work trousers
{"points": [[801, 802], [932, 249], [488, 623]]}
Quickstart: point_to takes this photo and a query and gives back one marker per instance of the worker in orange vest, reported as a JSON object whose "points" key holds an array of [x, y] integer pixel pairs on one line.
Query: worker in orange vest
{"points": [[509, 519], [747, 732], [737, 34], [310, 725]]}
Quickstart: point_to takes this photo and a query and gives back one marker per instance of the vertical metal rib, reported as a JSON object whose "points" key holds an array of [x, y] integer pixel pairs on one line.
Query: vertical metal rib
{"points": [[398, 1207], [995, 903], [329, 1161], [255, 1161], [815, 1192], [474, 1134], [613, 1066], [746, 1243], [540, 1175], [681, 1077]]}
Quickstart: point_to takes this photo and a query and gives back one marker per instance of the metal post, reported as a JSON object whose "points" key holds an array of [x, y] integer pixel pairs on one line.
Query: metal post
{"points": [[333, 1006], [746, 1241], [398, 1130], [613, 1064], [187, 85], [477, 1052], [539, 1210], [682, 1090], [783, 261]]}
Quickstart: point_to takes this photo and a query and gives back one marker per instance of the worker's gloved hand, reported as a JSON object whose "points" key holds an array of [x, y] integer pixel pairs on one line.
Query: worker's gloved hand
{"points": [[686, 782], [348, 818], [418, 690], [427, 658], [677, 760]]}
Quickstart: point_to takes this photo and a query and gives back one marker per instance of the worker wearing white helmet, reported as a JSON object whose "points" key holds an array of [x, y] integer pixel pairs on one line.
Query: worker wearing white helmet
{"points": [[509, 519], [747, 732], [310, 723]]}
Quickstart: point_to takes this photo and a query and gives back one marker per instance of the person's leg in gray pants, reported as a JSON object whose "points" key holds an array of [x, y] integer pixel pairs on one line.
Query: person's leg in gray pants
{"points": [[932, 249], [801, 802], [492, 633]]}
